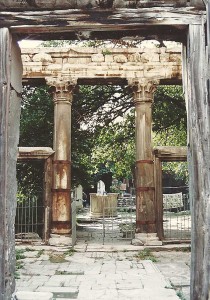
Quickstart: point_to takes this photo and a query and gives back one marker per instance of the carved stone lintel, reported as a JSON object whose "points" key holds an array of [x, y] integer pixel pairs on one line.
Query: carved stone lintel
{"points": [[63, 88], [143, 90]]}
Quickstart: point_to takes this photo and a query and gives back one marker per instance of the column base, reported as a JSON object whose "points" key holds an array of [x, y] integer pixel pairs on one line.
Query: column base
{"points": [[146, 239], [60, 240]]}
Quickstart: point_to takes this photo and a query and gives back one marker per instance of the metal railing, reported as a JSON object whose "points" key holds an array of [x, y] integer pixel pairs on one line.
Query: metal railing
{"points": [[29, 221], [116, 223], [176, 216], [120, 224], [74, 221]]}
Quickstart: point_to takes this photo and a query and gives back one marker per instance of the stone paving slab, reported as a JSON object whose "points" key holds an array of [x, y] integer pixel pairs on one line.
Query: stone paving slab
{"points": [[96, 275], [34, 296]]}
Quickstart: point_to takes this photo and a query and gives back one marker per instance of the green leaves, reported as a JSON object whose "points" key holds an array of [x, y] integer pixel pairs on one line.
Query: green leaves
{"points": [[103, 130], [36, 125]]}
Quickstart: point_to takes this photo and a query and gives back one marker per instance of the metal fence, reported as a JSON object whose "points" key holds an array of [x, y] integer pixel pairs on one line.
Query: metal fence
{"points": [[120, 224], [116, 225], [74, 221], [29, 221], [176, 216]]}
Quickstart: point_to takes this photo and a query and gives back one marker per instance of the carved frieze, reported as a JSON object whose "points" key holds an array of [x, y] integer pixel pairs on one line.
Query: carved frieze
{"points": [[54, 67], [43, 57], [97, 57], [120, 58], [135, 57], [95, 63]]}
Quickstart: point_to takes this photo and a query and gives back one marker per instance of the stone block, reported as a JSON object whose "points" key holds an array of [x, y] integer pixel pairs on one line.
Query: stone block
{"points": [[26, 57], [137, 242], [43, 57], [60, 240], [153, 243], [34, 295], [120, 58], [97, 57], [59, 60], [109, 58], [177, 49], [145, 57], [54, 67], [175, 58], [147, 239], [135, 57], [164, 57]]}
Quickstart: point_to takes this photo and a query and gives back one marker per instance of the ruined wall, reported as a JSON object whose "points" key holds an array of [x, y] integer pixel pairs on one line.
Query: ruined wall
{"points": [[10, 89], [91, 63]]}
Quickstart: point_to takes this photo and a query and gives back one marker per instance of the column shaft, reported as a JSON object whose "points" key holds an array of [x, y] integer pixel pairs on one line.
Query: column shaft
{"points": [[61, 191], [145, 189]]}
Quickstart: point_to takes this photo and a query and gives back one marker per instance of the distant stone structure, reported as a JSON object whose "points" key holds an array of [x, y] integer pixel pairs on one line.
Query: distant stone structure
{"points": [[142, 69], [184, 21]]}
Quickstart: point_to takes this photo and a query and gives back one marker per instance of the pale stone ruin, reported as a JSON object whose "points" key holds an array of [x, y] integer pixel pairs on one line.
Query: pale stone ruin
{"points": [[101, 190], [140, 68], [184, 21], [78, 196]]}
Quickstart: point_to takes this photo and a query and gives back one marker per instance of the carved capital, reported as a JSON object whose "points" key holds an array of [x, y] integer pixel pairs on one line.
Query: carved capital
{"points": [[62, 88], [143, 90]]}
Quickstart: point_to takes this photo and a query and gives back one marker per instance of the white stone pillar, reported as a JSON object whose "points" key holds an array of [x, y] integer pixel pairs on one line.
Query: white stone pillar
{"points": [[61, 190], [143, 92]]}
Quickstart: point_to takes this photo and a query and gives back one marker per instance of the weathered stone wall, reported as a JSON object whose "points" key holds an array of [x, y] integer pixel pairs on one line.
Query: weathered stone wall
{"points": [[10, 89], [92, 63]]}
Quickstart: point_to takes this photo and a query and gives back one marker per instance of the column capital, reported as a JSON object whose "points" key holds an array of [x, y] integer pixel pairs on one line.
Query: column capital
{"points": [[62, 87], [143, 89]]}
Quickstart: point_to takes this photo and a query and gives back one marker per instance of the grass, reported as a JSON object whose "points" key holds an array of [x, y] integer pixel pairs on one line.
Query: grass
{"points": [[69, 252], [146, 254], [180, 295], [60, 258], [39, 253], [184, 249], [29, 249], [68, 273], [19, 253], [57, 258]]}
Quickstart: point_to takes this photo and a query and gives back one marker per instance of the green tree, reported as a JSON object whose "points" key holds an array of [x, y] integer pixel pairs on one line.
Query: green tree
{"points": [[169, 117], [115, 147], [36, 130], [103, 129]]}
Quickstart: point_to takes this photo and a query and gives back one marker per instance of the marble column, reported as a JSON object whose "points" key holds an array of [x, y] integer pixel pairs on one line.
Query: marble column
{"points": [[61, 190], [143, 92]]}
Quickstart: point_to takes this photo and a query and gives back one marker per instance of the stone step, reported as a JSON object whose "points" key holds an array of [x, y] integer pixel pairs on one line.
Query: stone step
{"points": [[34, 295]]}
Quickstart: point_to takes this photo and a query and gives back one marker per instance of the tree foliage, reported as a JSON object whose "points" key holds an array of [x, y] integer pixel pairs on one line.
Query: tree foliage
{"points": [[103, 129], [169, 117], [36, 130]]}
